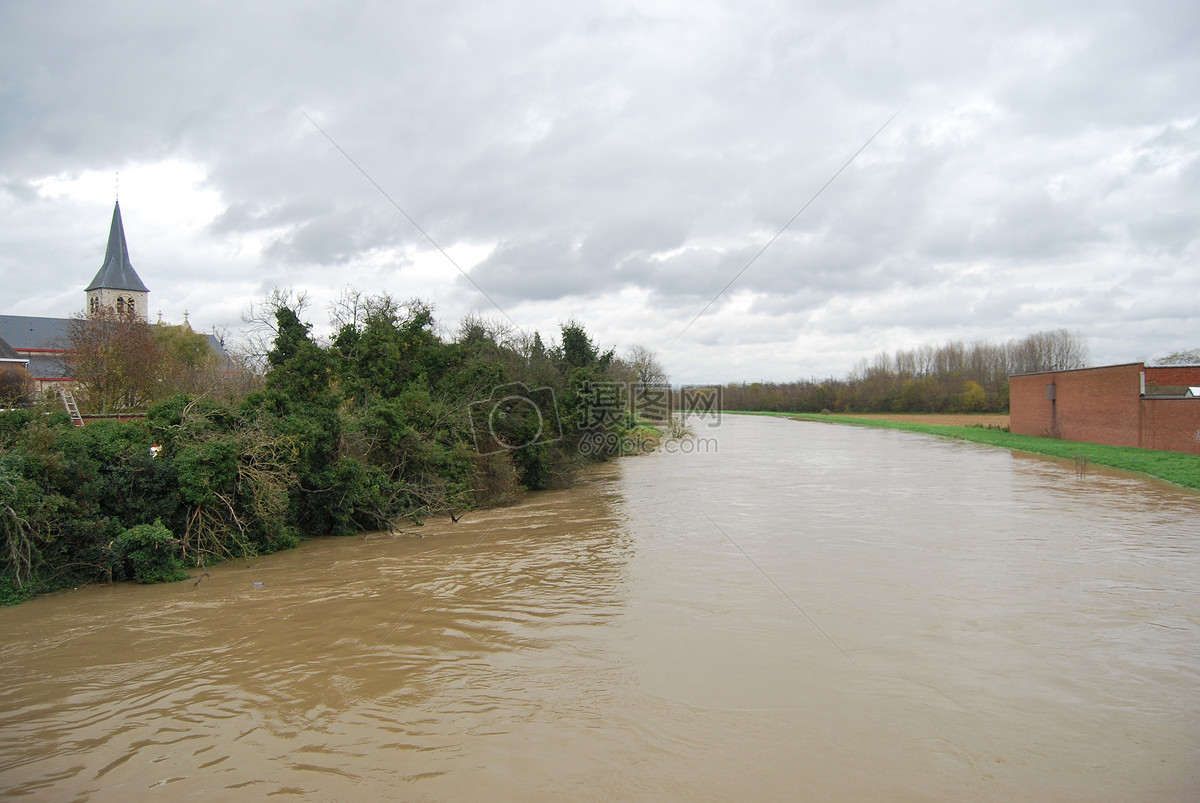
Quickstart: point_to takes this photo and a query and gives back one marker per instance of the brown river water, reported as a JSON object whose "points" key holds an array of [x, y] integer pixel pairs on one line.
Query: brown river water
{"points": [[783, 611]]}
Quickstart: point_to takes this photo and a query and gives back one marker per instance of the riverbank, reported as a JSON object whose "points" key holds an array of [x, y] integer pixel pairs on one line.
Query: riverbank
{"points": [[1178, 468]]}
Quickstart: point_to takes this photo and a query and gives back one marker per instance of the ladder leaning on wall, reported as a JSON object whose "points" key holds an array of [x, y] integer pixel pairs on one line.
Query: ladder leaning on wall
{"points": [[68, 400]]}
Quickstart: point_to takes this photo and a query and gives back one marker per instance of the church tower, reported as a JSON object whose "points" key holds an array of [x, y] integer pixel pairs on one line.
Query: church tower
{"points": [[117, 286]]}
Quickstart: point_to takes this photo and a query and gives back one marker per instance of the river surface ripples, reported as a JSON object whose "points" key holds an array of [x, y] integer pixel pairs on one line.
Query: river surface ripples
{"points": [[788, 611]]}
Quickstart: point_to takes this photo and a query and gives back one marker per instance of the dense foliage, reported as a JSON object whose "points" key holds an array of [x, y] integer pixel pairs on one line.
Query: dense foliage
{"points": [[386, 422], [928, 379]]}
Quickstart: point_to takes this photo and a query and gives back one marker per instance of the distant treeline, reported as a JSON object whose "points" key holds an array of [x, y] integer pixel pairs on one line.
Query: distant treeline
{"points": [[953, 377]]}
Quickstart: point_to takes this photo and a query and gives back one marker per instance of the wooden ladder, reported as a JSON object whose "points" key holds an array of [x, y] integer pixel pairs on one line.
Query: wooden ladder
{"points": [[68, 400]]}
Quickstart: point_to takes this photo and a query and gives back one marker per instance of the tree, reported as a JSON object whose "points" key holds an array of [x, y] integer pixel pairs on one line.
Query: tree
{"points": [[1187, 357], [16, 386], [647, 370], [577, 348], [237, 486], [114, 359], [188, 364], [299, 368], [261, 320], [650, 395], [973, 399], [1056, 350]]}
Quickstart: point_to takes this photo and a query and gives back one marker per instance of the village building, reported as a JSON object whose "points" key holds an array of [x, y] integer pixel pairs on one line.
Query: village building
{"points": [[1134, 404], [41, 342]]}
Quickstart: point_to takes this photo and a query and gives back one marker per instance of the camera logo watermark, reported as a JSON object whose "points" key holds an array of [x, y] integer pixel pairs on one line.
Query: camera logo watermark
{"points": [[514, 417]]}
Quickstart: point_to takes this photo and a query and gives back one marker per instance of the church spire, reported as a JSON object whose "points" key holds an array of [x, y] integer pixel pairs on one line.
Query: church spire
{"points": [[117, 272], [117, 285]]}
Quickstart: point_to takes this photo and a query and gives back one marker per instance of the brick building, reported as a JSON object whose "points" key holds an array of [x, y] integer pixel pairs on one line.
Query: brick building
{"points": [[1152, 407]]}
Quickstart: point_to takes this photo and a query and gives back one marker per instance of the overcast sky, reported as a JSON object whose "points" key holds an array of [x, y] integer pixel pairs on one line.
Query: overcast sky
{"points": [[621, 163]]}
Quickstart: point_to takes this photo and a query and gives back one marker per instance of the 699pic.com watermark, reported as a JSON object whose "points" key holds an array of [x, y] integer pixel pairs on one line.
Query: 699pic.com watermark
{"points": [[634, 443]]}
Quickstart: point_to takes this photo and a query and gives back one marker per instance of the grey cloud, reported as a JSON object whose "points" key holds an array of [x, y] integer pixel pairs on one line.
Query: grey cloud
{"points": [[545, 269], [646, 150]]}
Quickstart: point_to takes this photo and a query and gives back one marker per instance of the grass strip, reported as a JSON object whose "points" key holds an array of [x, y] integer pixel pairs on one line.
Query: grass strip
{"points": [[1179, 468]]}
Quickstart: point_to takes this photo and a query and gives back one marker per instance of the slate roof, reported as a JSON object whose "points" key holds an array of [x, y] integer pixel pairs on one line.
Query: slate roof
{"points": [[26, 332], [34, 334], [224, 361], [8, 354], [47, 367], [117, 272]]}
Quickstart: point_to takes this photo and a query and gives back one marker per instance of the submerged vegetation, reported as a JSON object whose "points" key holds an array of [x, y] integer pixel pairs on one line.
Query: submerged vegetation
{"points": [[385, 422]]}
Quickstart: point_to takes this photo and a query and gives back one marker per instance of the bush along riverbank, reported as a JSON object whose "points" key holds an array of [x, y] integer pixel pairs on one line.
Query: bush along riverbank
{"points": [[1179, 468], [386, 423]]}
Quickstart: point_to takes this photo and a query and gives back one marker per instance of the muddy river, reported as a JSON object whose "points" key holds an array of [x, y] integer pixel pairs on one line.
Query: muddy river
{"points": [[784, 611]]}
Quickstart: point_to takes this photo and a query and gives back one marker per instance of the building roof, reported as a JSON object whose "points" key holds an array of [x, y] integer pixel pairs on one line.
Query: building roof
{"points": [[48, 367], [1073, 370], [214, 343], [117, 272], [25, 332], [8, 353]]}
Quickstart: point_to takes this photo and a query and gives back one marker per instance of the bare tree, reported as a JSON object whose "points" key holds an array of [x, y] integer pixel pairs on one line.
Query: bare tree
{"points": [[114, 358], [16, 386], [1187, 357], [259, 337], [651, 392], [348, 309], [502, 333], [647, 369], [1054, 350]]}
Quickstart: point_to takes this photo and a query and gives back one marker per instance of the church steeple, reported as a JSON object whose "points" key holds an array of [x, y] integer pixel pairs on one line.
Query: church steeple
{"points": [[117, 284]]}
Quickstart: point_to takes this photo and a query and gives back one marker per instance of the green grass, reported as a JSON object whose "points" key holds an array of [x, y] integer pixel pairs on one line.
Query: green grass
{"points": [[1179, 468]]}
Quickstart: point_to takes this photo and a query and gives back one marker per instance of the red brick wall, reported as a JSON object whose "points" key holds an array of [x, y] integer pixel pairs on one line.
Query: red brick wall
{"points": [[1104, 405], [1028, 409], [1174, 375], [1171, 424], [1097, 405], [1091, 405]]}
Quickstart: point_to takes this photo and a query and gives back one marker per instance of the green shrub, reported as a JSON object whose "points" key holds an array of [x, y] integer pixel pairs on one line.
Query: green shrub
{"points": [[11, 593], [149, 554]]}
